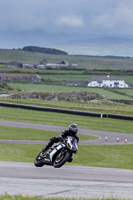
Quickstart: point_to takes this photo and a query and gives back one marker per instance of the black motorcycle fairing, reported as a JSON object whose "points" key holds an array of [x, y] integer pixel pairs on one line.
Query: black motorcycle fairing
{"points": [[38, 160]]}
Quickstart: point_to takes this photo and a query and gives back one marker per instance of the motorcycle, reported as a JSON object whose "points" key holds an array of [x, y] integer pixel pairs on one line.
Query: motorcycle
{"points": [[58, 154]]}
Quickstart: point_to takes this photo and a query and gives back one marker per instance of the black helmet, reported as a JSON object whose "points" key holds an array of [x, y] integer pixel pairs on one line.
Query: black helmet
{"points": [[73, 128]]}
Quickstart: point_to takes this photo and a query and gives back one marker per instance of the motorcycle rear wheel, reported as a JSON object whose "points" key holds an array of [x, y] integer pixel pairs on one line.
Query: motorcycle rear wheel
{"points": [[38, 161], [59, 161]]}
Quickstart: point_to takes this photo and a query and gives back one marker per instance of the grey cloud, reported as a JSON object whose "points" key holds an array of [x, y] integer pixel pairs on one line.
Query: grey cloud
{"points": [[61, 17], [114, 20], [71, 20]]}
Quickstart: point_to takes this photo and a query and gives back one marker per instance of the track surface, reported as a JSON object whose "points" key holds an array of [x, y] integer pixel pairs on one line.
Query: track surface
{"points": [[68, 181], [112, 136]]}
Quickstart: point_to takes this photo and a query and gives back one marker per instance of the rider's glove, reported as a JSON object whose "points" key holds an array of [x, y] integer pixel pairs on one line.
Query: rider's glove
{"points": [[61, 139], [53, 139]]}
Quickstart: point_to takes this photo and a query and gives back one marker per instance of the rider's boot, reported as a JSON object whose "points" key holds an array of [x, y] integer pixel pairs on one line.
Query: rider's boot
{"points": [[47, 146], [70, 159]]}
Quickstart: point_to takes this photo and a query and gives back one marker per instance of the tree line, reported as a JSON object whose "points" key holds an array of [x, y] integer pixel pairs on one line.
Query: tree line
{"points": [[44, 50]]}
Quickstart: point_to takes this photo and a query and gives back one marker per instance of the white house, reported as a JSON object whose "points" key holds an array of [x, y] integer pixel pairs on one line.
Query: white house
{"points": [[111, 82]]}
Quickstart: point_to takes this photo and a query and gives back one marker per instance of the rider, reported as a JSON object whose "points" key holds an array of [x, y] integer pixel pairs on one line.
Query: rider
{"points": [[72, 131]]}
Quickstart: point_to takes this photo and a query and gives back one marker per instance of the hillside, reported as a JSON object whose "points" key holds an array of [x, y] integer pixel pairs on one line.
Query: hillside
{"points": [[100, 46], [88, 62]]}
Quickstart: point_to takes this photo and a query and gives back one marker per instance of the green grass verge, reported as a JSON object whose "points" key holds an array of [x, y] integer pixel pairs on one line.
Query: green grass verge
{"points": [[81, 77], [110, 156], [49, 118], [101, 107], [24, 197], [16, 133]]}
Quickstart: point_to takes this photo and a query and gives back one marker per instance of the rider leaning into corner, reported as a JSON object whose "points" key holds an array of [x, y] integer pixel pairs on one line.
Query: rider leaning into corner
{"points": [[71, 131]]}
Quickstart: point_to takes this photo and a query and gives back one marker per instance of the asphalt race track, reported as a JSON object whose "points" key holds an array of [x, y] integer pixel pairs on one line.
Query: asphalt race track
{"points": [[68, 181], [112, 136]]}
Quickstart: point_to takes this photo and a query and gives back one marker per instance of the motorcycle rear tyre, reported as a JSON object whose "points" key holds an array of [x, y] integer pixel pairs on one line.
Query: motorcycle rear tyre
{"points": [[63, 161], [38, 162]]}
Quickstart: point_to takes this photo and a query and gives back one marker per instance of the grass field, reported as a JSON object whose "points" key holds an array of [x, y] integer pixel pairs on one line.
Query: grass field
{"points": [[26, 153], [82, 61], [112, 156], [81, 77], [102, 107], [110, 94], [92, 155], [89, 67], [16, 133], [21, 115]]}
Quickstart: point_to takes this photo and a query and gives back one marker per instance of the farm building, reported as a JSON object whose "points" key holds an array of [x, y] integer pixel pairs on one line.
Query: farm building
{"points": [[111, 82], [8, 77], [75, 83], [27, 66], [65, 63], [41, 66], [61, 65], [14, 64]]}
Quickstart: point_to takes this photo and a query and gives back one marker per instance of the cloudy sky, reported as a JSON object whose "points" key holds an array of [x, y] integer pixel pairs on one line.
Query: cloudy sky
{"points": [[45, 22]]}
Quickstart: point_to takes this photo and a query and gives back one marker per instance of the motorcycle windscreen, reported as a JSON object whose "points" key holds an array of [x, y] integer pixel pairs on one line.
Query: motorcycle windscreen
{"points": [[71, 142]]}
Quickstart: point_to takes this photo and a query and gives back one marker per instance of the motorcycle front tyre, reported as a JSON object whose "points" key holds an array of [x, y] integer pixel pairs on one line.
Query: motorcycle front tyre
{"points": [[63, 161], [38, 161]]}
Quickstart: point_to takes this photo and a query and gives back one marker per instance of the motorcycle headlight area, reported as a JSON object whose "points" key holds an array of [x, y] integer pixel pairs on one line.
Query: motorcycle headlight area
{"points": [[69, 143]]}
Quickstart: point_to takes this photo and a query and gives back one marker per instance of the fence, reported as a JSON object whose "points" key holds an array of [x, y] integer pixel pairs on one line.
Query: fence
{"points": [[82, 113]]}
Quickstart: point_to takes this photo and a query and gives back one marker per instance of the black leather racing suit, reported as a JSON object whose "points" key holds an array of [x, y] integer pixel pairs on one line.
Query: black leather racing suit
{"points": [[59, 138]]}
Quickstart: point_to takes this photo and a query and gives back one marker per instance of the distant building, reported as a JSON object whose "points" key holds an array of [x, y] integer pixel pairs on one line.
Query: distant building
{"points": [[27, 66], [111, 82], [65, 63], [10, 77], [14, 64], [44, 65], [41, 66], [75, 83], [61, 65]]}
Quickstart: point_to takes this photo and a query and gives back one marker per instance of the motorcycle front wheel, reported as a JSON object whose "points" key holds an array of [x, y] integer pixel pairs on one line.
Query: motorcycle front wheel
{"points": [[61, 159], [38, 161]]}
